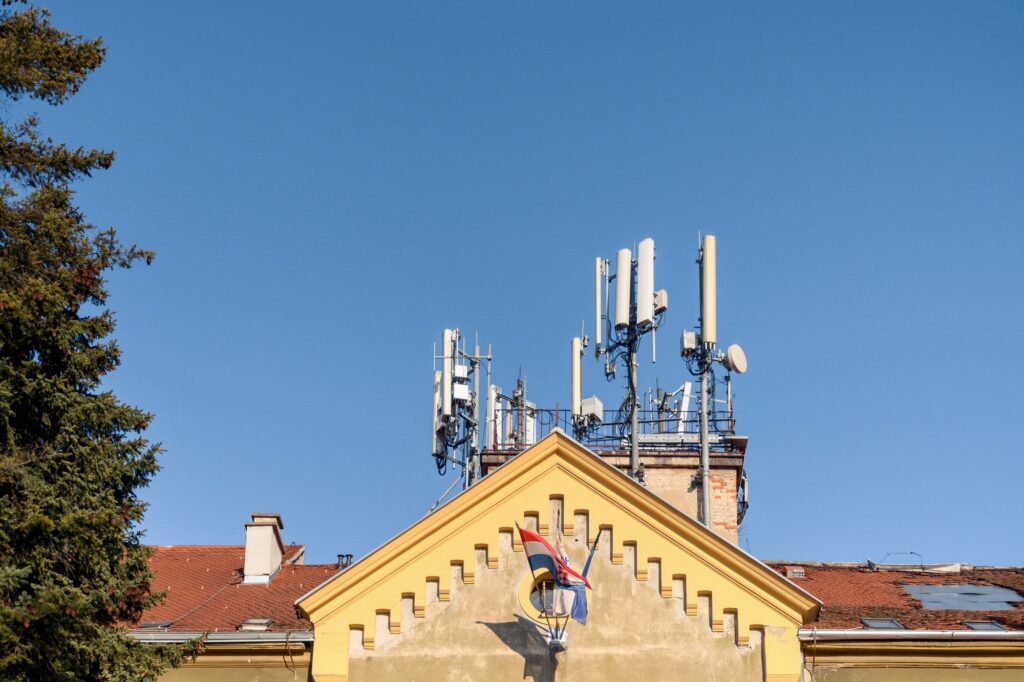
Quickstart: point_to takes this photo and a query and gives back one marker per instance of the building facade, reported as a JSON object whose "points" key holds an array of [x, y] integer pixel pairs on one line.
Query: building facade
{"points": [[453, 598]]}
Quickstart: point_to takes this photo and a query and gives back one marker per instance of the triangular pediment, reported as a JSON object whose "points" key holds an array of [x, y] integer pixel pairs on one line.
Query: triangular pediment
{"points": [[555, 479]]}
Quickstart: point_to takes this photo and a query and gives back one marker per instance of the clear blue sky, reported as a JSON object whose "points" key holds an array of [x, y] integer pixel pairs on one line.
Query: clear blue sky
{"points": [[329, 185]]}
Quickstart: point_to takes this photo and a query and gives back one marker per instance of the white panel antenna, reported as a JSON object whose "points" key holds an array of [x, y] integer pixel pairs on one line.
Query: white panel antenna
{"points": [[623, 283], [530, 423], [683, 406], [493, 418], [708, 293], [598, 322], [436, 444], [449, 345], [645, 283], [577, 374]]}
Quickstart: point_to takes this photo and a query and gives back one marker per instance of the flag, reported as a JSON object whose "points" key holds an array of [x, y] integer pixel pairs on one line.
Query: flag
{"points": [[542, 556]]}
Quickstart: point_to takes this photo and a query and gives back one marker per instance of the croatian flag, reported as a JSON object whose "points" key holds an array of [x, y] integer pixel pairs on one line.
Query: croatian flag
{"points": [[543, 557]]}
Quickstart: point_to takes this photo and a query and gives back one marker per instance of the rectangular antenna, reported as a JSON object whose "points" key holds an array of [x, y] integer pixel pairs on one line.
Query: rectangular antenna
{"points": [[436, 444], [598, 327], [708, 293], [645, 283], [577, 375], [530, 423], [449, 341], [493, 422], [623, 282]]}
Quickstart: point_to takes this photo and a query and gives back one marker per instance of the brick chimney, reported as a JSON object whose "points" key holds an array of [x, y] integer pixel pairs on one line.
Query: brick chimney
{"points": [[263, 548]]}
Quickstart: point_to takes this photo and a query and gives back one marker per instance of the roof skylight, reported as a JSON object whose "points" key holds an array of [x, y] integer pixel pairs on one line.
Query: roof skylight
{"points": [[882, 624], [983, 625], [964, 597], [151, 624], [256, 624]]}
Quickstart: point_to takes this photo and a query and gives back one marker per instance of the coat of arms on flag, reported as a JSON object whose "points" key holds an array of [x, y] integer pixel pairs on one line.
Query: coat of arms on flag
{"points": [[569, 599]]}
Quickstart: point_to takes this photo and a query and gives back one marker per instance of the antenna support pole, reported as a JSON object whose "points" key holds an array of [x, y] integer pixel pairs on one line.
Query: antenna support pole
{"points": [[634, 447], [705, 454]]}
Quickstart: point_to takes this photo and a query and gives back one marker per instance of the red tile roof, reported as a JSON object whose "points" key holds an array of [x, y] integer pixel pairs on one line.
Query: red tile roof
{"points": [[203, 589], [850, 592]]}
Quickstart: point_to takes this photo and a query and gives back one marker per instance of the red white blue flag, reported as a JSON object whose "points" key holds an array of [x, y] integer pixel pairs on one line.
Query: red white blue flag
{"points": [[543, 557]]}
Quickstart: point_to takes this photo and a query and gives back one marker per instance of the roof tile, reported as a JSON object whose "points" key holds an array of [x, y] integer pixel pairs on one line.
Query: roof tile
{"points": [[203, 590]]}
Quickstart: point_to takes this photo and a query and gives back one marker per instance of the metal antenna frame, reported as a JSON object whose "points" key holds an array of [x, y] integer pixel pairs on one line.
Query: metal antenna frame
{"points": [[460, 441], [704, 357], [623, 344]]}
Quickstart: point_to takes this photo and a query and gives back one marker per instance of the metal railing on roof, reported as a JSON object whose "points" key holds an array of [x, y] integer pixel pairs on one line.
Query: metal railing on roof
{"points": [[514, 429]]}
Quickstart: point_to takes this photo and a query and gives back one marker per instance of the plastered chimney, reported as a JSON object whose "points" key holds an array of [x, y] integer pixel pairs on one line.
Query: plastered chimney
{"points": [[263, 548]]}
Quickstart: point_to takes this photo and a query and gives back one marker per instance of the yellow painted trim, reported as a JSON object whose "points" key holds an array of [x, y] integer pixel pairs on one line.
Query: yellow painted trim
{"points": [[916, 654], [254, 655]]}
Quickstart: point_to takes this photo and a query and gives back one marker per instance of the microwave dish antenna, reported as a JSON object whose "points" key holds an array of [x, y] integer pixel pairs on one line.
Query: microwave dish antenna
{"points": [[735, 359]]}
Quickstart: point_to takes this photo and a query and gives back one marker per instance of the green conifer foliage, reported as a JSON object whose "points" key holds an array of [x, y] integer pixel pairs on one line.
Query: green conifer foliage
{"points": [[72, 458]]}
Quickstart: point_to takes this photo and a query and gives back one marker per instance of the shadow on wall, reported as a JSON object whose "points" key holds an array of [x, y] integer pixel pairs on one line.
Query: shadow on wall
{"points": [[522, 637]]}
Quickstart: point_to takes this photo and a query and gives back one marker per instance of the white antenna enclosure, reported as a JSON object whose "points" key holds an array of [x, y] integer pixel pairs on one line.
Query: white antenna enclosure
{"points": [[448, 341], [598, 327], [623, 283], [436, 443], [645, 283], [493, 421], [708, 292], [577, 375]]}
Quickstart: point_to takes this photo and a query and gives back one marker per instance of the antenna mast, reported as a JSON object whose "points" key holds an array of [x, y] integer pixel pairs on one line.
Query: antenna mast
{"points": [[458, 410], [701, 352], [638, 310]]}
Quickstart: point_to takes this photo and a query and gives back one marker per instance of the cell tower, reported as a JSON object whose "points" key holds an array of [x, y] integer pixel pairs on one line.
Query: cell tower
{"points": [[638, 310], [700, 351], [655, 437], [458, 407]]}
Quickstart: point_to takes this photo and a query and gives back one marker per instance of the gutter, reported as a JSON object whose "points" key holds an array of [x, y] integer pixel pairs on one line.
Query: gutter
{"points": [[814, 634], [297, 636]]}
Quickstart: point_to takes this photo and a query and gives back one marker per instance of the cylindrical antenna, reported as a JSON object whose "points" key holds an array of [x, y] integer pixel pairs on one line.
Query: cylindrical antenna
{"points": [[708, 293], [577, 376], [598, 326], [645, 283], [623, 282]]}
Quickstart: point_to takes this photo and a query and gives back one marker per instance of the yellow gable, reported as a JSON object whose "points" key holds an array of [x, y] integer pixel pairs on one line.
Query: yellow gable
{"points": [[557, 479]]}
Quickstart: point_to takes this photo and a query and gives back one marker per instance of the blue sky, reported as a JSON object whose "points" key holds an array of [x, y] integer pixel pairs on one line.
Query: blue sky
{"points": [[329, 185]]}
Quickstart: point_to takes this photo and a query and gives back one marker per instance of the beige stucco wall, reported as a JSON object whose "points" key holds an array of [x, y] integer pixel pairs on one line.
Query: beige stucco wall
{"points": [[632, 634], [240, 674]]}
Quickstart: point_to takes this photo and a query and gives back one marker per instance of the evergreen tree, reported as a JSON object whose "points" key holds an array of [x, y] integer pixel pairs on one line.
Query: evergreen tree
{"points": [[72, 458]]}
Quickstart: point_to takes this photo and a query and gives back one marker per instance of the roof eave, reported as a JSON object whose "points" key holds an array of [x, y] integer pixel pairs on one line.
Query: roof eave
{"points": [[179, 637]]}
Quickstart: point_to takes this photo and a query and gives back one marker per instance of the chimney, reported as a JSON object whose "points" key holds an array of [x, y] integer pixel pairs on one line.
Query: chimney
{"points": [[263, 548]]}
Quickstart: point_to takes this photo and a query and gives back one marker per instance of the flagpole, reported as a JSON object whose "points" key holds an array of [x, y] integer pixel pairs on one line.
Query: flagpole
{"points": [[590, 557]]}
